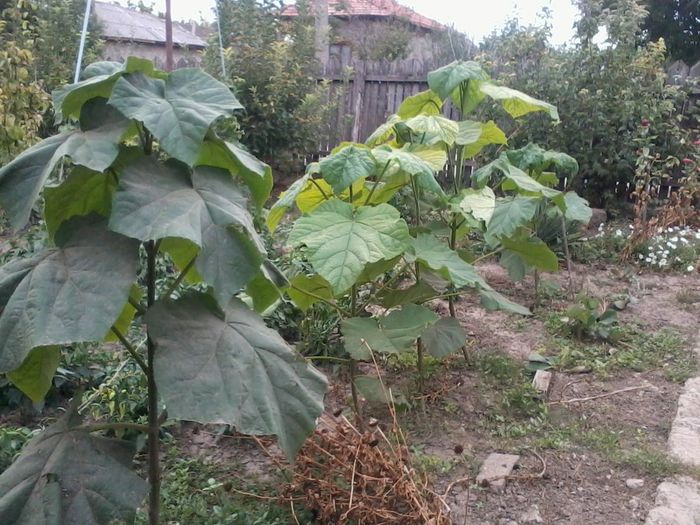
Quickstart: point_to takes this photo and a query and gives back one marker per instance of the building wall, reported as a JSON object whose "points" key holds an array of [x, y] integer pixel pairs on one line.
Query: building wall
{"points": [[118, 51]]}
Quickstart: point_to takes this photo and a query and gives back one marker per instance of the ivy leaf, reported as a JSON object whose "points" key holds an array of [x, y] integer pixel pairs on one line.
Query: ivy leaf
{"points": [[517, 103], [511, 214], [342, 169], [66, 475], [70, 294], [226, 366], [82, 193], [95, 146], [306, 291], [423, 103], [178, 110], [156, 201], [232, 157], [394, 334], [444, 337], [35, 376], [342, 240]]}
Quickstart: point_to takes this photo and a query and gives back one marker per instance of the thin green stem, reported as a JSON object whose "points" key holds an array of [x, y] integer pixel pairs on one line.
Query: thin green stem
{"points": [[376, 183], [325, 196], [140, 310], [180, 277], [130, 348], [333, 305], [483, 257]]}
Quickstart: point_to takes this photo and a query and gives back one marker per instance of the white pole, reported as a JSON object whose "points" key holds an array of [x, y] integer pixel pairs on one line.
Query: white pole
{"points": [[221, 41], [83, 36]]}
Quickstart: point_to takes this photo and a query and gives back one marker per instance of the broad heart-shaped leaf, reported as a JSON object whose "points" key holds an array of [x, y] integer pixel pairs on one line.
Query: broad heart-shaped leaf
{"points": [[575, 208], [511, 214], [423, 103], [433, 129], [517, 103], [156, 201], [233, 157], [342, 240], [65, 295], [82, 193], [265, 289], [515, 178], [477, 135], [447, 79], [305, 291], [533, 251], [443, 338], [177, 111], [384, 132], [480, 204], [65, 475], [226, 366], [394, 334], [418, 293], [411, 163], [99, 81], [93, 147], [533, 158], [437, 256], [35, 375], [342, 169]]}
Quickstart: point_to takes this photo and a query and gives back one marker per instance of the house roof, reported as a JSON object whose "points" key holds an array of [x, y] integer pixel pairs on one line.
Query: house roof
{"points": [[120, 23], [372, 8]]}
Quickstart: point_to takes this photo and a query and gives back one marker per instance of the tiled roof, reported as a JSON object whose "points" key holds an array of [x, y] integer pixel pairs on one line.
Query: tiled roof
{"points": [[373, 8], [119, 23]]}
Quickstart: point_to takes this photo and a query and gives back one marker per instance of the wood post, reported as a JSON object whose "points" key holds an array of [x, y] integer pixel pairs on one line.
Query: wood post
{"points": [[358, 92], [320, 9]]}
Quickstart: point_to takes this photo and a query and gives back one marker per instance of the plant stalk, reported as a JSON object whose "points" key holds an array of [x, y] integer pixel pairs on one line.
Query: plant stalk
{"points": [[153, 420], [352, 365], [567, 255]]}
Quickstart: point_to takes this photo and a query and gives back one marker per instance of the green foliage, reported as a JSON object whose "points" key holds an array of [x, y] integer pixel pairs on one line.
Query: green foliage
{"points": [[22, 99], [612, 99], [145, 176], [272, 67], [678, 23], [591, 318], [12, 439]]}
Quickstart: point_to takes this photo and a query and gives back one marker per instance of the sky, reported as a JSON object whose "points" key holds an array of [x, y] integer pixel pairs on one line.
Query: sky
{"points": [[476, 18]]}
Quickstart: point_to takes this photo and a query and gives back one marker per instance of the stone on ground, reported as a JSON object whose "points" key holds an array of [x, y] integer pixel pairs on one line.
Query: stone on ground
{"points": [[684, 440], [495, 469], [677, 503]]}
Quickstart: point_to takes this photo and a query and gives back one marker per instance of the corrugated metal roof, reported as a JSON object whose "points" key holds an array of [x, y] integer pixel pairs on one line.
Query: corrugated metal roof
{"points": [[120, 23], [374, 8]]}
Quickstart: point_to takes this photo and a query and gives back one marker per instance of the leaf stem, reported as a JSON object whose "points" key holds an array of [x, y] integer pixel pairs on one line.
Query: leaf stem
{"points": [[180, 277], [130, 348], [483, 257], [376, 183], [325, 196], [154, 475], [139, 309], [333, 305]]}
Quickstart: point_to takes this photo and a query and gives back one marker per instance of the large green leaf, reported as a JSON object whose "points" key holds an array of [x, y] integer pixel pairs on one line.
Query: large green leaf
{"points": [[35, 376], [342, 169], [95, 146], [575, 208], [480, 204], [226, 366], [418, 293], [177, 111], [433, 129], [533, 158], [65, 295], [412, 163], [475, 136], [447, 79], [423, 103], [233, 157], [99, 80], [286, 201], [515, 178], [437, 256], [155, 201], [533, 251], [384, 132], [342, 240], [394, 334], [511, 214], [444, 337], [82, 193], [67, 476], [517, 103]]}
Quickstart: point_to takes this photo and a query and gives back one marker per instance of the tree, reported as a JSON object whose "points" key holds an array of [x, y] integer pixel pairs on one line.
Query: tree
{"points": [[678, 23], [147, 179]]}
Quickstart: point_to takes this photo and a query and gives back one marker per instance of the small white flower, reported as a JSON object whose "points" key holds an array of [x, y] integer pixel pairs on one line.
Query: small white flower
{"points": [[663, 262], [697, 235], [674, 239], [673, 246], [648, 259], [600, 227], [618, 233], [689, 269], [641, 257], [670, 230], [684, 241], [631, 227], [660, 230]]}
